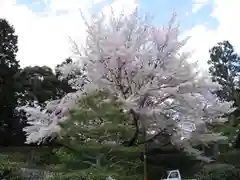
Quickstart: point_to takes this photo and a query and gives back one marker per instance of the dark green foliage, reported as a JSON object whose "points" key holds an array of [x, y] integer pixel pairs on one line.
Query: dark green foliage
{"points": [[232, 157], [38, 84], [161, 160], [219, 172], [9, 67], [224, 68], [41, 84]]}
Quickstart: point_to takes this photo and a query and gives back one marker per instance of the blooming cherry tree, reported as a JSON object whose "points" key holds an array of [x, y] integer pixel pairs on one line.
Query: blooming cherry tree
{"points": [[140, 65]]}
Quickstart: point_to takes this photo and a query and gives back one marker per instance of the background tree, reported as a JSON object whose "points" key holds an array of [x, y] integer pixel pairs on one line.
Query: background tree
{"points": [[59, 66], [225, 69], [41, 84], [9, 67], [38, 85], [69, 71]]}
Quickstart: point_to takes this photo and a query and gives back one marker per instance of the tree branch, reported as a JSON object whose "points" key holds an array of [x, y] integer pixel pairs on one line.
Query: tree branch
{"points": [[135, 121]]}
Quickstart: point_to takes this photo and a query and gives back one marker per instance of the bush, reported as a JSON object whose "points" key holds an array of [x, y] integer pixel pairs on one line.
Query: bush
{"points": [[34, 156], [219, 172], [8, 170], [231, 157], [8, 173]]}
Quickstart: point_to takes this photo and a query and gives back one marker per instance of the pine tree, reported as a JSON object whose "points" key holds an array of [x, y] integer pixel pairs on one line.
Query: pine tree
{"points": [[94, 141]]}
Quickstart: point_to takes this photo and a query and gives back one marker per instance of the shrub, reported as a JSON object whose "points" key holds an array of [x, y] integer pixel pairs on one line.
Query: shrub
{"points": [[8, 173], [231, 157], [8, 170], [219, 172]]}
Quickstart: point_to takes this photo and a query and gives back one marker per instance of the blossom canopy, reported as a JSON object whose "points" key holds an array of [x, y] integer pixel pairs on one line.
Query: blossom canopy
{"points": [[142, 66]]}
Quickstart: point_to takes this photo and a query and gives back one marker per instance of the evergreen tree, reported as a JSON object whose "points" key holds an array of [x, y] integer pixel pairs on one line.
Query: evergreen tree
{"points": [[94, 139], [225, 69], [9, 67]]}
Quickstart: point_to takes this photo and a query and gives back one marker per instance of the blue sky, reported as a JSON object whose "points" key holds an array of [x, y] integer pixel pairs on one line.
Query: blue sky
{"points": [[206, 21], [161, 9]]}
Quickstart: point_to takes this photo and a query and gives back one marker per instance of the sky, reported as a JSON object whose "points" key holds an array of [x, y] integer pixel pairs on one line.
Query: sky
{"points": [[45, 28]]}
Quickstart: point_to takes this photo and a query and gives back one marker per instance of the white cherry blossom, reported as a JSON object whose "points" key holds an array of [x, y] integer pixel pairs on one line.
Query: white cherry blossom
{"points": [[141, 65]]}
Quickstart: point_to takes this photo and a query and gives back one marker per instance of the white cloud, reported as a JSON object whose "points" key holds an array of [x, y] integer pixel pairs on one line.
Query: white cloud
{"points": [[200, 44], [70, 5], [198, 4], [203, 38], [119, 6], [227, 14], [44, 37], [98, 1]]}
